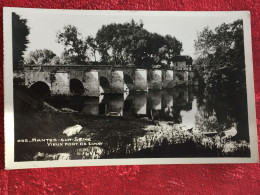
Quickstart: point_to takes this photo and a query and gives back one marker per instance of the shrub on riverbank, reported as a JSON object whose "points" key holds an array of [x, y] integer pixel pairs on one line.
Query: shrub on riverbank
{"points": [[166, 141]]}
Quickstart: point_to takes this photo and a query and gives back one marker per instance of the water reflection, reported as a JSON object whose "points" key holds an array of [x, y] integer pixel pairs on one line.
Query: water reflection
{"points": [[201, 110], [222, 111], [177, 116], [111, 105], [140, 104], [159, 105], [91, 107]]}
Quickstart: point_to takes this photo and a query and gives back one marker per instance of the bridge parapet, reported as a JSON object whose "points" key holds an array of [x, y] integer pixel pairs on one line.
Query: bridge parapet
{"points": [[65, 68]]}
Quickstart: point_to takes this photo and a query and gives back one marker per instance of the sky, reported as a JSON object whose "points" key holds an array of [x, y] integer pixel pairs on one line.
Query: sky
{"points": [[44, 26]]}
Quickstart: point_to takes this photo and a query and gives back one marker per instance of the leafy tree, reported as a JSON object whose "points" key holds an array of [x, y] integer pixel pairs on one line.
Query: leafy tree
{"points": [[41, 57], [20, 31], [114, 41], [92, 45], [174, 48], [75, 45], [130, 43], [221, 60], [55, 60], [67, 58], [124, 44]]}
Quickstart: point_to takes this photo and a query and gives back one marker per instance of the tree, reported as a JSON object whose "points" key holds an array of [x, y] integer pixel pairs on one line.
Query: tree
{"points": [[42, 57], [124, 44], [220, 56], [92, 45], [75, 45], [55, 60], [114, 41], [20, 31], [174, 48], [129, 43], [67, 58]]}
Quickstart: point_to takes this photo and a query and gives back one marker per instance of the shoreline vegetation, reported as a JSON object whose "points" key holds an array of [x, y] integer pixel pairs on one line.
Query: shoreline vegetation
{"points": [[120, 137]]}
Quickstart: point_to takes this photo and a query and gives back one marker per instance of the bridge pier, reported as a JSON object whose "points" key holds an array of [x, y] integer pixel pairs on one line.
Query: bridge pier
{"points": [[186, 77], [155, 79], [91, 83], [60, 84], [117, 81], [140, 81], [167, 76]]}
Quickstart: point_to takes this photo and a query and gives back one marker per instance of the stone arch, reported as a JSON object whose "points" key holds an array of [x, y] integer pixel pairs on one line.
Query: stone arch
{"points": [[33, 77], [128, 79], [104, 84], [76, 87], [129, 83], [40, 88]]}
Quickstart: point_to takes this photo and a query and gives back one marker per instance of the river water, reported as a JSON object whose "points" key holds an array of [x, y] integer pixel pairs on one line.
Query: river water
{"points": [[194, 110], [201, 110]]}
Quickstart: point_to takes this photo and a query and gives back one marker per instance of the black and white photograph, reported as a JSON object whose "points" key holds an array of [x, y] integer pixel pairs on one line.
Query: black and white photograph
{"points": [[127, 87]]}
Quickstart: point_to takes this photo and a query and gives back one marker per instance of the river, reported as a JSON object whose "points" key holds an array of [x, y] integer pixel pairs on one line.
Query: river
{"points": [[188, 108]]}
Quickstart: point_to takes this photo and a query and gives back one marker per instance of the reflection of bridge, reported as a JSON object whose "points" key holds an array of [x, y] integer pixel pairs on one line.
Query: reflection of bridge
{"points": [[158, 105], [93, 80]]}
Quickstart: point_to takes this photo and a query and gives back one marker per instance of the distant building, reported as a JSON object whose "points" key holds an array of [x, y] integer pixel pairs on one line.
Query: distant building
{"points": [[182, 63]]}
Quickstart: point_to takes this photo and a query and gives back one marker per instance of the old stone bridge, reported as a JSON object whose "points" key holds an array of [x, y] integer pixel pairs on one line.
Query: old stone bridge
{"points": [[94, 80]]}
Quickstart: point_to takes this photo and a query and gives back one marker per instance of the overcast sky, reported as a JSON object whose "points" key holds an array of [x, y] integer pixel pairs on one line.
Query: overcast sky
{"points": [[44, 26]]}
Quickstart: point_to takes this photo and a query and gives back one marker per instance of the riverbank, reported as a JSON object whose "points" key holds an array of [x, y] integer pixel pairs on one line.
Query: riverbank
{"points": [[37, 118], [119, 136], [174, 140]]}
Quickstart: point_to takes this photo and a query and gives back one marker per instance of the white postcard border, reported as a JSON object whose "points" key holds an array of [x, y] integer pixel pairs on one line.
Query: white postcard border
{"points": [[8, 95]]}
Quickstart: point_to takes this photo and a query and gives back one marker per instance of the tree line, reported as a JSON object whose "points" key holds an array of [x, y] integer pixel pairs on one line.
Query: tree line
{"points": [[221, 59], [127, 44]]}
